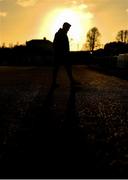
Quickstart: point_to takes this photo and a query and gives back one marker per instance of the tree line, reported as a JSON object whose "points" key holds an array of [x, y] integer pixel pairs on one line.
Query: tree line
{"points": [[93, 39], [35, 53]]}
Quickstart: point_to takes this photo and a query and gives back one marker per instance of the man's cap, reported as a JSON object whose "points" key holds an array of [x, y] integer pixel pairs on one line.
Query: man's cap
{"points": [[66, 25]]}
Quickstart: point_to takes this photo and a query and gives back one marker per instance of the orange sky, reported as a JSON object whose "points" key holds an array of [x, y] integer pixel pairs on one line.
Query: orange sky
{"points": [[22, 20]]}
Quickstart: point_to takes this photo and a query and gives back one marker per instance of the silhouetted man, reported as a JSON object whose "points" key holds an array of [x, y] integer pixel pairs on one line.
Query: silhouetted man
{"points": [[61, 53]]}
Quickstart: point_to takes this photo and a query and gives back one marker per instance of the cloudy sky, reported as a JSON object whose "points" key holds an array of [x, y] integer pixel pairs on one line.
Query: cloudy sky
{"points": [[22, 20]]}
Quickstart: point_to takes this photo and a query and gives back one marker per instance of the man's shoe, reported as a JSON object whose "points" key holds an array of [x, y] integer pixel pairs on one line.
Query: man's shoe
{"points": [[75, 83], [55, 85]]}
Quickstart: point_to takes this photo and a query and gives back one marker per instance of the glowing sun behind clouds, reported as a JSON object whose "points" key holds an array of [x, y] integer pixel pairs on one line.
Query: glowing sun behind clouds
{"points": [[80, 23]]}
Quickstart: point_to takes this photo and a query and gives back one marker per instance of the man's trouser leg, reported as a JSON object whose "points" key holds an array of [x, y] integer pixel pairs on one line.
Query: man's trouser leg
{"points": [[55, 73], [69, 72]]}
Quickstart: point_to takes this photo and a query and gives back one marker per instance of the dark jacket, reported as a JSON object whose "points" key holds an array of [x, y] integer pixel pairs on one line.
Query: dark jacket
{"points": [[61, 43]]}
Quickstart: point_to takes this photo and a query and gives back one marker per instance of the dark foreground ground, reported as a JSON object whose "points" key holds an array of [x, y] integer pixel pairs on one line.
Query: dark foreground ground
{"points": [[62, 132]]}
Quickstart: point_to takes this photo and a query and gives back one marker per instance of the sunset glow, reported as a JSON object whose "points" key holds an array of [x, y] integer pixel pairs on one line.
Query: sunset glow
{"points": [[23, 20], [80, 23]]}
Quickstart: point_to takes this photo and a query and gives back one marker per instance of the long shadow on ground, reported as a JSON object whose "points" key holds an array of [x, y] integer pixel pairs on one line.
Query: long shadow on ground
{"points": [[45, 151], [51, 147]]}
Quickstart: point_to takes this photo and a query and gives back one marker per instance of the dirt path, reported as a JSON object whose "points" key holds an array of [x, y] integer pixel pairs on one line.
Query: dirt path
{"points": [[86, 126]]}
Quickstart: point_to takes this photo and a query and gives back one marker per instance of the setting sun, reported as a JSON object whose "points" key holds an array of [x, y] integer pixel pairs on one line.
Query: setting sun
{"points": [[23, 20], [80, 24]]}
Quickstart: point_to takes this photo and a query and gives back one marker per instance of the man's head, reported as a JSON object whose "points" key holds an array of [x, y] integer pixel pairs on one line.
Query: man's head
{"points": [[66, 26]]}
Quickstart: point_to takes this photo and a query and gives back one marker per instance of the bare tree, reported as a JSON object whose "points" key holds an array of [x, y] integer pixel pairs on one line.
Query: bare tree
{"points": [[3, 45], [93, 41], [122, 36]]}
